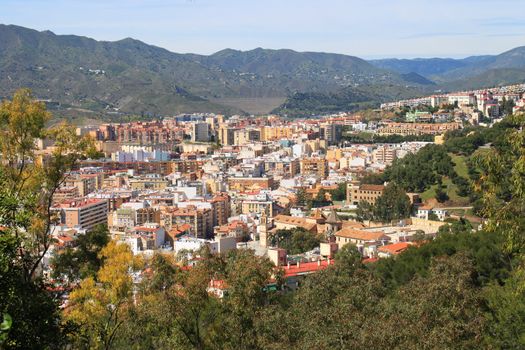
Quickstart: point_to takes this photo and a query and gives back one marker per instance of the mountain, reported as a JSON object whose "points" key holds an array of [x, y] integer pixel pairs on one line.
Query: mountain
{"points": [[426, 67], [476, 67], [346, 99], [101, 79], [132, 77], [470, 72]]}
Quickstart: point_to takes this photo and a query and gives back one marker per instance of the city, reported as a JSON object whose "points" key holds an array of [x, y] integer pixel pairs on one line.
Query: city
{"points": [[258, 199]]}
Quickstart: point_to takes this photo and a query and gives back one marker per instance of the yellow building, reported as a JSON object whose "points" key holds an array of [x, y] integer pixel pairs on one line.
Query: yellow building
{"points": [[147, 183], [314, 166], [271, 133]]}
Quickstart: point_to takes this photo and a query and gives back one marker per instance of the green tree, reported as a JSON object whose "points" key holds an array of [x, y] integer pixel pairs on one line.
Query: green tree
{"points": [[393, 204], [82, 261], [295, 241], [364, 211], [26, 192], [443, 310], [339, 194]]}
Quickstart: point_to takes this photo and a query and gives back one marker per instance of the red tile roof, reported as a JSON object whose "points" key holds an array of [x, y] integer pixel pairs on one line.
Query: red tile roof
{"points": [[361, 235], [395, 248], [306, 268]]}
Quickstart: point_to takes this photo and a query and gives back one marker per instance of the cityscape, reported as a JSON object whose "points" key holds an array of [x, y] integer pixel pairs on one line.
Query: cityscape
{"points": [[257, 199]]}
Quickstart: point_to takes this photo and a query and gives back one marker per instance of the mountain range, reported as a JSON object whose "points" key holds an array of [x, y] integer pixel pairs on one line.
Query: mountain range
{"points": [[97, 79]]}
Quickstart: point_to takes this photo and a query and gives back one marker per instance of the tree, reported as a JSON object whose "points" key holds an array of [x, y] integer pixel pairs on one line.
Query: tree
{"points": [[320, 200], [339, 194], [98, 305], [295, 241], [365, 211], [441, 196], [348, 258], [26, 192], [82, 261], [393, 204], [301, 197], [443, 310]]}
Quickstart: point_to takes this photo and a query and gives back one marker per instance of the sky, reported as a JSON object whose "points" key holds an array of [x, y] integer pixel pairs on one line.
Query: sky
{"points": [[365, 28]]}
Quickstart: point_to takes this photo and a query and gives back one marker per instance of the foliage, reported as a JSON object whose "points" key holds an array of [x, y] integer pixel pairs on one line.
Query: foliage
{"points": [[393, 204], [365, 211], [417, 172], [82, 261], [97, 305], [301, 197], [295, 241], [339, 194], [26, 191], [320, 200]]}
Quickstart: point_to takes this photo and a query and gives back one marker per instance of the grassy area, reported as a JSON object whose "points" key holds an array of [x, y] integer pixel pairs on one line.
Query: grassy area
{"points": [[429, 194], [460, 165], [451, 190]]}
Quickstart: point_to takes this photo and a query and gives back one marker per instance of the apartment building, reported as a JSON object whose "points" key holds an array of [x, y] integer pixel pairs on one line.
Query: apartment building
{"points": [[243, 184], [331, 132], [200, 132], [200, 220], [314, 166], [221, 207], [85, 213], [356, 193], [417, 128]]}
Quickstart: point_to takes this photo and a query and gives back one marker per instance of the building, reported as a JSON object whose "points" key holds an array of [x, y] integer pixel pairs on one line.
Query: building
{"points": [[243, 184], [314, 166], [256, 206], [200, 220], [384, 154], [148, 183], [147, 237], [462, 99], [226, 135], [393, 128], [200, 132], [356, 193], [331, 132], [221, 208], [360, 237], [390, 250], [85, 213], [244, 136]]}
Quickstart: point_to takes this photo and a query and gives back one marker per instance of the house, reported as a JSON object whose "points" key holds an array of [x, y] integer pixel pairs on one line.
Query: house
{"points": [[359, 237], [389, 250], [426, 211]]}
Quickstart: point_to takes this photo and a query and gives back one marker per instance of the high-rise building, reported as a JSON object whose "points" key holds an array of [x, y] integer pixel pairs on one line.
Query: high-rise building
{"points": [[200, 132], [86, 213], [314, 166], [331, 132]]}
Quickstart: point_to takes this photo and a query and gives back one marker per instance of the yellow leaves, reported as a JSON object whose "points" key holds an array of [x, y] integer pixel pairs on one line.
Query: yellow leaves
{"points": [[97, 303], [21, 121]]}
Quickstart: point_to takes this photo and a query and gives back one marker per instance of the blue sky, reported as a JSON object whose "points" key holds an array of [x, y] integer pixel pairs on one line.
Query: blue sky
{"points": [[366, 28]]}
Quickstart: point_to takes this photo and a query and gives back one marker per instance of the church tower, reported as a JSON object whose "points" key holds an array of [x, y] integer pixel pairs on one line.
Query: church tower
{"points": [[263, 230]]}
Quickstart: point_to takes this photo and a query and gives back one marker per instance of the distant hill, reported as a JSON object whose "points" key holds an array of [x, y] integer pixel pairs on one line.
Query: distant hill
{"points": [[346, 99], [100, 79], [470, 72], [134, 77], [426, 67], [476, 67]]}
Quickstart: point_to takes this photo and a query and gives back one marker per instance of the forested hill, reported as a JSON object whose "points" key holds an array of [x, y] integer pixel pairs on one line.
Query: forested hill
{"points": [[139, 78]]}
